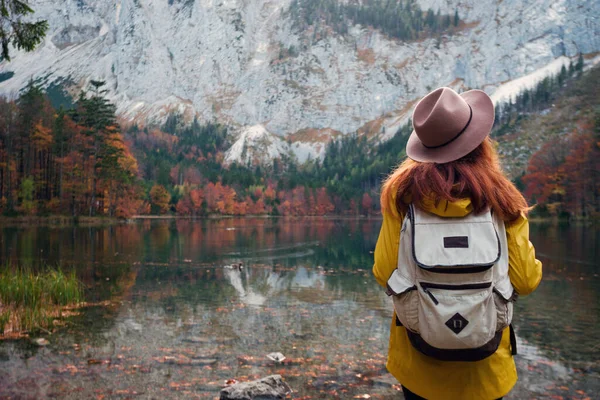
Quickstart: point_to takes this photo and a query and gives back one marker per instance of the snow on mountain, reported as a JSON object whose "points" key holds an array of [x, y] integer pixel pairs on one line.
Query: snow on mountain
{"points": [[228, 60], [511, 89]]}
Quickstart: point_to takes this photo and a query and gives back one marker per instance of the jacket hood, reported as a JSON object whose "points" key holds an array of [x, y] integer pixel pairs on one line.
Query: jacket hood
{"points": [[444, 208]]}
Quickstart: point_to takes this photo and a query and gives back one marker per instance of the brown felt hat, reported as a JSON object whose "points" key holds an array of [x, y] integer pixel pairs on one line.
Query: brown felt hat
{"points": [[448, 126]]}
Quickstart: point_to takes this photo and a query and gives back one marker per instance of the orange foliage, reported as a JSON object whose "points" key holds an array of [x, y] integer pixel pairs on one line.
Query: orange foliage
{"points": [[42, 136], [270, 194], [564, 175], [367, 203]]}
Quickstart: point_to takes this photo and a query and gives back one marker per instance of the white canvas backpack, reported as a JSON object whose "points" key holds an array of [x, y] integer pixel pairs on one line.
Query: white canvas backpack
{"points": [[451, 289]]}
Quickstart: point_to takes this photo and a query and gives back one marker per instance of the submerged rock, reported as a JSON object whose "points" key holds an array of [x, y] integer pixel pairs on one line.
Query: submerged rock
{"points": [[198, 340], [270, 387], [209, 340], [185, 361]]}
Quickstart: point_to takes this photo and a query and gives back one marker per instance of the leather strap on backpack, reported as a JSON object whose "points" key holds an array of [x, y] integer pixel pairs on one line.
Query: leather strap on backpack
{"points": [[513, 340]]}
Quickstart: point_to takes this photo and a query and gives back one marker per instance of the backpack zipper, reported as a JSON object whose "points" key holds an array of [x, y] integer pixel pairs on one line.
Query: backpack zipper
{"points": [[466, 286], [435, 301]]}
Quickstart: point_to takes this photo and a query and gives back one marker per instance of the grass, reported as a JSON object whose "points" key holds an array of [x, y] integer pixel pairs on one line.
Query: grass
{"points": [[4, 318], [31, 300]]}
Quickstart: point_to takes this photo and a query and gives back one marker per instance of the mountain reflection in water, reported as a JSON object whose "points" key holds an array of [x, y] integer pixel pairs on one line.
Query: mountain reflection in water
{"points": [[184, 317]]}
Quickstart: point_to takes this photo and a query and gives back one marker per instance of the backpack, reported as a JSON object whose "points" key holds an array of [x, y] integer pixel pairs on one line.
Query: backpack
{"points": [[451, 289]]}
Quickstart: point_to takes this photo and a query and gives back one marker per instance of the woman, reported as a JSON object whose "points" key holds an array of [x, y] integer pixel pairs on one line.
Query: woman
{"points": [[452, 171]]}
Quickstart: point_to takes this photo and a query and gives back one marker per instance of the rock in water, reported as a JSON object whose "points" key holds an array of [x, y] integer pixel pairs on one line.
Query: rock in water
{"points": [[271, 387], [41, 342], [277, 357]]}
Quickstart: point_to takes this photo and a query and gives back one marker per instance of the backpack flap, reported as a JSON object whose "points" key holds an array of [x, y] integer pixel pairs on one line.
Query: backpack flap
{"points": [[454, 242], [399, 284]]}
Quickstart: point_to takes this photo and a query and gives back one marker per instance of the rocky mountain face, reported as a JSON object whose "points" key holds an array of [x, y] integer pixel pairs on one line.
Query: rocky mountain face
{"points": [[242, 63]]}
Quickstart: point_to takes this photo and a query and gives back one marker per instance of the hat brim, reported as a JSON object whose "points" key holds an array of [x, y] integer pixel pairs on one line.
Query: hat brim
{"points": [[479, 128]]}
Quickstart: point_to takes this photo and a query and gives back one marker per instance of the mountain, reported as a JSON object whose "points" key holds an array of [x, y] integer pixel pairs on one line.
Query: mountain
{"points": [[287, 83]]}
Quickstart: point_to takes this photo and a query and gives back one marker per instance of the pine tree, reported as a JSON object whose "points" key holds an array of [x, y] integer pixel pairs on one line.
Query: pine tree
{"points": [[579, 65], [21, 34], [562, 76], [571, 68], [31, 104], [98, 115]]}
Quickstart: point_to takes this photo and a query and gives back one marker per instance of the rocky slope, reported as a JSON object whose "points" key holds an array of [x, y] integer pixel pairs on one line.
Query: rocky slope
{"points": [[227, 60]]}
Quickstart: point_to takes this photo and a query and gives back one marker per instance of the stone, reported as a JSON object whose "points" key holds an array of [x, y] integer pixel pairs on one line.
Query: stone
{"points": [[197, 340], [277, 357], [41, 342], [270, 387], [186, 361]]}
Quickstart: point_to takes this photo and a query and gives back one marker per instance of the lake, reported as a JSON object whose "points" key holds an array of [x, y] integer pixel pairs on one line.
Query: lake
{"points": [[178, 319]]}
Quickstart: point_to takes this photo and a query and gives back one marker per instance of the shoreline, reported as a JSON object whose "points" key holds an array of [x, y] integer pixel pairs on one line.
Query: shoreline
{"points": [[57, 220], [258, 216], [61, 220]]}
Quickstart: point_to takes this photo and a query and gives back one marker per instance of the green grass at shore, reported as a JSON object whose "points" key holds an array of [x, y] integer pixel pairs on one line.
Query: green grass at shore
{"points": [[31, 300]]}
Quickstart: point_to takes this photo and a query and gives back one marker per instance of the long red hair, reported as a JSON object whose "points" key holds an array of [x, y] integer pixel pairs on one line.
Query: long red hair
{"points": [[477, 176]]}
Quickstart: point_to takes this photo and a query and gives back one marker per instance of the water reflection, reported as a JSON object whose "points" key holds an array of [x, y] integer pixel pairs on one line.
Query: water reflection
{"points": [[184, 317]]}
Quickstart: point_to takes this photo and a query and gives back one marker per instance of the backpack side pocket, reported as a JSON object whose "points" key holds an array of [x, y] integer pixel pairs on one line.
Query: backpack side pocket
{"points": [[504, 311], [406, 306], [406, 300]]}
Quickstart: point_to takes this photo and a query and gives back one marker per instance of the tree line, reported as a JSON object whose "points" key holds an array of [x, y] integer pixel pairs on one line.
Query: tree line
{"points": [[64, 162], [80, 162], [182, 171], [404, 20]]}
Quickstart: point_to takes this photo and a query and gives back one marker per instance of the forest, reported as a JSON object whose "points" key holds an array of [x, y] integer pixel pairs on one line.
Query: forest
{"points": [[403, 20], [81, 161], [65, 162], [183, 172], [563, 175]]}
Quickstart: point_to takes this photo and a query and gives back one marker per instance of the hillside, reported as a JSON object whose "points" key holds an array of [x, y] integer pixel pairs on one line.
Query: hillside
{"points": [[554, 154], [574, 104]]}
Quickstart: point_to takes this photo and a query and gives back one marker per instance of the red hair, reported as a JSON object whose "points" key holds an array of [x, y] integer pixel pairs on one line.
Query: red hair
{"points": [[477, 176]]}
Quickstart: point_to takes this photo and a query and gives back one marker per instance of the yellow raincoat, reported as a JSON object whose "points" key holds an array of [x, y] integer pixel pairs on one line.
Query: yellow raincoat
{"points": [[427, 377]]}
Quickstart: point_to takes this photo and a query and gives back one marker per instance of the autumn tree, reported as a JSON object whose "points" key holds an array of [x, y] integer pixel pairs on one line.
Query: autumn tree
{"points": [[159, 198], [366, 203], [563, 176]]}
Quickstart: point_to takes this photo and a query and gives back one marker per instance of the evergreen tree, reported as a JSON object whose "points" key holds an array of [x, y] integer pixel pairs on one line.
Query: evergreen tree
{"points": [[31, 105], [403, 19], [579, 65], [15, 31]]}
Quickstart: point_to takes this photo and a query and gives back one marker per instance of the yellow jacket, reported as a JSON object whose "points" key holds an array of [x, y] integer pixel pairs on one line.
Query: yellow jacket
{"points": [[490, 378]]}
